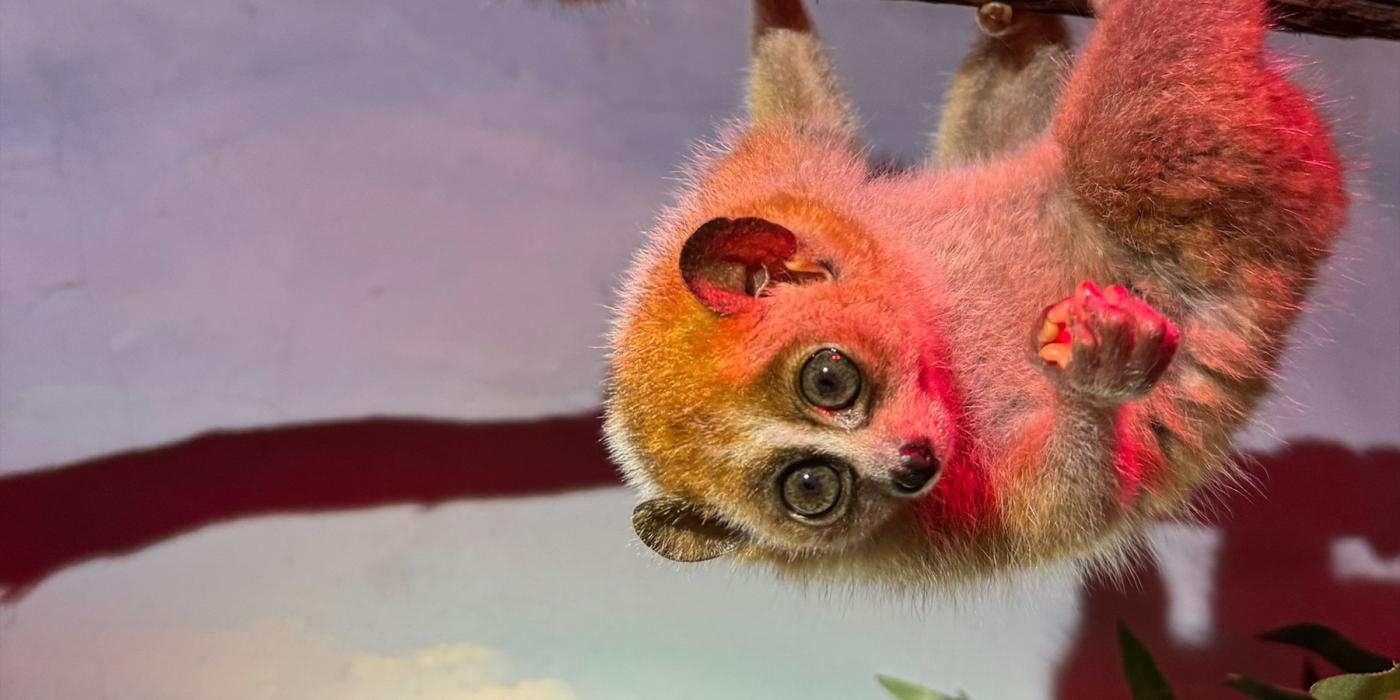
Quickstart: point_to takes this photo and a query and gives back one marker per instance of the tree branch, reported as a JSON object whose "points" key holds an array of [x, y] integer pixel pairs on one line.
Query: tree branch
{"points": [[1376, 19]]}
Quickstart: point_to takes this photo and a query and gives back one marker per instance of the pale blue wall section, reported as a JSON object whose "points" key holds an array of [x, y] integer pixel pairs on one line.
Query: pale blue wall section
{"points": [[223, 214]]}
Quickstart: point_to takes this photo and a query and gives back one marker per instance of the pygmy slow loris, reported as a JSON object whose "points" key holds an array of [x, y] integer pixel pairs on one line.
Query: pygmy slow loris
{"points": [[1018, 353]]}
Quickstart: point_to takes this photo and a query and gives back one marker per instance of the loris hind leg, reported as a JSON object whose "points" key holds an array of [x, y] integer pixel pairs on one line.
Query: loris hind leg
{"points": [[1212, 183], [1186, 145], [1004, 93], [1212, 175]]}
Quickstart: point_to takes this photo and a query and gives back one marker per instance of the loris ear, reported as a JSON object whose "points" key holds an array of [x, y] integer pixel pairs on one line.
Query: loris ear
{"points": [[681, 531], [727, 263]]}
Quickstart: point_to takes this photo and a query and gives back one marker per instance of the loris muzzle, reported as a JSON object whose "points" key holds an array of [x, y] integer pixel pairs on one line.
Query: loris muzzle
{"points": [[1020, 351]]}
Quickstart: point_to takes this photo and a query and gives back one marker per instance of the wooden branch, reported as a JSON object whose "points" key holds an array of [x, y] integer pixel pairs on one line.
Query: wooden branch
{"points": [[1376, 19]]}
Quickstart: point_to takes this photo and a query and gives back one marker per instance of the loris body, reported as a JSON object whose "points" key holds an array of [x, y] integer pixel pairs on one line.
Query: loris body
{"points": [[1019, 353]]}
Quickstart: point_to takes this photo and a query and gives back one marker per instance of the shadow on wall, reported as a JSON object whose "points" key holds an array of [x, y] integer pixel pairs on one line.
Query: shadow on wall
{"points": [[58, 517], [1276, 562], [1277, 565]]}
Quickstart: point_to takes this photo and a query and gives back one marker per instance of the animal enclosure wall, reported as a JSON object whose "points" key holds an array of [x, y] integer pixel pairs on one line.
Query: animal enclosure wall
{"points": [[284, 218]]}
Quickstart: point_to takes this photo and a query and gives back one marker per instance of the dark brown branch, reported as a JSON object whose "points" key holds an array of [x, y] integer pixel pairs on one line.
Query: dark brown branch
{"points": [[1376, 19]]}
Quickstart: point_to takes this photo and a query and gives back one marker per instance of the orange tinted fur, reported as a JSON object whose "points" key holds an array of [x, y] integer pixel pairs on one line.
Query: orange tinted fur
{"points": [[1177, 163]]}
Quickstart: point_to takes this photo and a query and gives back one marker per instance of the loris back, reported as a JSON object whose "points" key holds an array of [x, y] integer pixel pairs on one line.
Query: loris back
{"points": [[1018, 353]]}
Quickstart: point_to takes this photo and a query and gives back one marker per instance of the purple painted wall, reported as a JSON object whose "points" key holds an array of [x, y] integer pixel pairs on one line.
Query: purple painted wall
{"points": [[234, 214]]}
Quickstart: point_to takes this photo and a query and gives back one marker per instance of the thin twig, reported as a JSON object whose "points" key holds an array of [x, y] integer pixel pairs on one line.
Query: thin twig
{"points": [[1377, 19]]}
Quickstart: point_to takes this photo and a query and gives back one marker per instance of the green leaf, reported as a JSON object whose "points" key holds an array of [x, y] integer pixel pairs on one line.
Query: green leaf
{"points": [[904, 690], [1359, 686], [1144, 680], [1331, 645], [1263, 691]]}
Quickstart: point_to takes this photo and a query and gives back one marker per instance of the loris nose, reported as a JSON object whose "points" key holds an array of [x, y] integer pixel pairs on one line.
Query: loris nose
{"points": [[917, 467]]}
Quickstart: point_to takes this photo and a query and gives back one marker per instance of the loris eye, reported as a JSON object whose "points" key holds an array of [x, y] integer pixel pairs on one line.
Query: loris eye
{"points": [[811, 489], [830, 380]]}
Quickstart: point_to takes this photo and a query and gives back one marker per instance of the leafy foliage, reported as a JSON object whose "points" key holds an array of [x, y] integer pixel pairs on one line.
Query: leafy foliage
{"points": [[1360, 686], [1368, 675], [1145, 681], [904, 690], [1260, 690], [1329, 644]]}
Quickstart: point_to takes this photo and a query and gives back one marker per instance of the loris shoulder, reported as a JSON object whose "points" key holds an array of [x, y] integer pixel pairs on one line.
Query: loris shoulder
{"points": [[1018, 353]]}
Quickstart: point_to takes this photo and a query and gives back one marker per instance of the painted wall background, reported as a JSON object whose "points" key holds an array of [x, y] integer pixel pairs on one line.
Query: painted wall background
{"points": [[240, 214]]}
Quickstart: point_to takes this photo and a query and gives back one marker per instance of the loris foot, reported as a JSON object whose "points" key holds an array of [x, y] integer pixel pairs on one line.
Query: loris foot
{"points": [[1109, 345], [995, 18], [1002, 20]]}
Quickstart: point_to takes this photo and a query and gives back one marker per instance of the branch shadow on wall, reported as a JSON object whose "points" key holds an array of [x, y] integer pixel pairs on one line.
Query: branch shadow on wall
{"points": [[114, 505], [1278, 564]]}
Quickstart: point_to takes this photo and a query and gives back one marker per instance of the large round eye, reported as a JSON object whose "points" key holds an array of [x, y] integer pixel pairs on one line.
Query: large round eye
{"points": [[811, 489], [830, 380]]}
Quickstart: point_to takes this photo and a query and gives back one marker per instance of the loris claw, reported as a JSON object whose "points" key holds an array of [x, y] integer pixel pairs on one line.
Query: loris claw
{"points": [[1109, 345], [823, 367]]}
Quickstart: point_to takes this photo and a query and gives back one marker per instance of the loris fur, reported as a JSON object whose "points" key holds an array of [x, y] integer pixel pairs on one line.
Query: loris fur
{"points": [[1018, 353]]}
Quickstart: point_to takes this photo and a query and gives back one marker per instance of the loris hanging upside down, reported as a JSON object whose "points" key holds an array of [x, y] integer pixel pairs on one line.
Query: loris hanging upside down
{"points": [[1019, 353]]}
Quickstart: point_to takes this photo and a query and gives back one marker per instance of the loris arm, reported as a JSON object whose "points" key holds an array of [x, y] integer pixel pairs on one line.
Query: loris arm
{"points": [[1004, 93], [790, 76], [1083, 461]]}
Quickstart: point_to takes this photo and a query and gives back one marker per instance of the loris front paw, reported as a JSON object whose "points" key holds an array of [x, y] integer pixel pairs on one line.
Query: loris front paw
{"points": [[1109, 345]]}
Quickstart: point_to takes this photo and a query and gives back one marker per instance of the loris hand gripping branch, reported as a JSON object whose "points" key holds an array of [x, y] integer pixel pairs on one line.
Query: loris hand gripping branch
{"points": [[1020, 352]]}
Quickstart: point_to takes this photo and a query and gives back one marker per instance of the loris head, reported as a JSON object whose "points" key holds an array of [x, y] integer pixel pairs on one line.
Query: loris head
{"points": [[777, 390], [771, 394]]}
